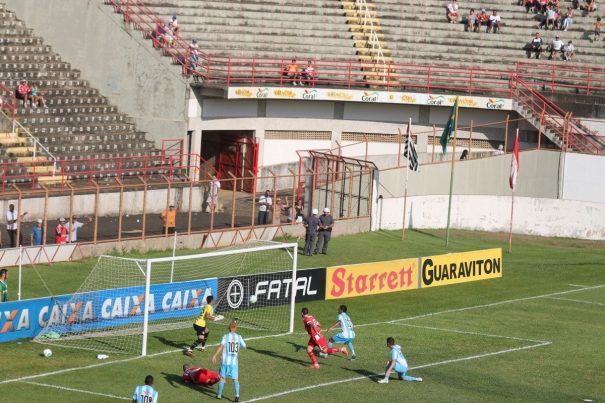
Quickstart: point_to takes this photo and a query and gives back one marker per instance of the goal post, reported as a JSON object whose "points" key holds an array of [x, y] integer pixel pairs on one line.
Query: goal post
{"points": [[123, 301]]}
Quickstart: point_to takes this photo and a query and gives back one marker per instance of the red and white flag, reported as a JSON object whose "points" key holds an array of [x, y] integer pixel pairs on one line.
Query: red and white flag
{"points": [[514, 163]]}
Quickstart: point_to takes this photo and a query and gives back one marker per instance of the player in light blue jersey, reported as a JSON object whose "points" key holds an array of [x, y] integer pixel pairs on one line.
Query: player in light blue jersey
{"points": [[397, 363], [145, 393], [347, 333], [230, 345]]}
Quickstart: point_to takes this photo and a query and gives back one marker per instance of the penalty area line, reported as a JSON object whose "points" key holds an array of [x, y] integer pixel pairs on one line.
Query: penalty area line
{"points": [[46, 385], [433, 364]]}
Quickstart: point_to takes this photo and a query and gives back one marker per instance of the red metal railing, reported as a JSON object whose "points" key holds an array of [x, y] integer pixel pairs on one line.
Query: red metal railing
{"points": [[226, 70], [553, 118], [90, 169]]}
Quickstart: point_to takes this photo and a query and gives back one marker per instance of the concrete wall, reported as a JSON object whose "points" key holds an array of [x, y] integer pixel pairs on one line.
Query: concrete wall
{"points": [[538, 177], [115, 59], [84, 204], [584, 178], [533, 216]]}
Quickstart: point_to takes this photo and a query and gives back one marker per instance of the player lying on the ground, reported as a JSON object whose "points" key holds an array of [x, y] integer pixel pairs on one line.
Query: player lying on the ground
{"points": [[397, 363], [347, 333], [201, 327], [317, 339], [230, 345], [199, 376]]}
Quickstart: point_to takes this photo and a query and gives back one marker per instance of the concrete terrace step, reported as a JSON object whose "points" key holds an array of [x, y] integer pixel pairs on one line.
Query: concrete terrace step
{"points": [[197, 31], [211, 8]]}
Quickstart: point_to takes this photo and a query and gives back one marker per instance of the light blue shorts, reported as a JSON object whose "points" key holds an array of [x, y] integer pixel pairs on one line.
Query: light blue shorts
{"points": [[229, 371], [338, 338], [400, 369]]}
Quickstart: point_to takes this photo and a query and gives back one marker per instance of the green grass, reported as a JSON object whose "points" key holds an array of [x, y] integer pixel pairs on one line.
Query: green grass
{"points": [[513, 343]]}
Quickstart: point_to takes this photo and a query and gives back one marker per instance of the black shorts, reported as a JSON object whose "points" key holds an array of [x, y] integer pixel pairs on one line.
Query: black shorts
{"points": [[199, 330]]}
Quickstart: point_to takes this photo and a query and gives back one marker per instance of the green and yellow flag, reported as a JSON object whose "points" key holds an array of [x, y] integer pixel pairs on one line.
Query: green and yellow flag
{"points": [[449, 128]]}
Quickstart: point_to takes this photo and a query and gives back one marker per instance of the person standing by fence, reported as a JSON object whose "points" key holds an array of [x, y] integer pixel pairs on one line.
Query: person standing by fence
{"points": [[12, 225], [326, 222], [311, 224]]}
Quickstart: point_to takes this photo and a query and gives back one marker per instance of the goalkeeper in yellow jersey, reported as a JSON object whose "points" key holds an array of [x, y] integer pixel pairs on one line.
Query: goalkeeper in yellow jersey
{"points": [[201, 327]]}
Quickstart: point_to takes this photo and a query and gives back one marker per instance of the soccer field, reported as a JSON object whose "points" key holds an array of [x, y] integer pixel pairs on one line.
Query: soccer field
{"points": [[533, 335]]}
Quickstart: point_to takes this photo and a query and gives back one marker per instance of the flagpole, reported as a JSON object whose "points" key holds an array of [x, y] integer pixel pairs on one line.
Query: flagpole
{"points": [[510, 232], [407, 174], [449, 203]]}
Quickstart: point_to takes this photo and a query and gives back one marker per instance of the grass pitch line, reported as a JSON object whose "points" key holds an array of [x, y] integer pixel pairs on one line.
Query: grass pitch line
{"points": [[101, 364], [46, 385], [581, 301], [66, 370], [441, 329], [507, 301], [433, 364]]}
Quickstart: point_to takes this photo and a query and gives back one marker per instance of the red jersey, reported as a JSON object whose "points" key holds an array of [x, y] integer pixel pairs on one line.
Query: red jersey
{"points": [[60, 234], [201, 376], [312, 326]]}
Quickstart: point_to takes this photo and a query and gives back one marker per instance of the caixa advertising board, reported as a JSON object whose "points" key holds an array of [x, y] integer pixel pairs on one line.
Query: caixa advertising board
{"points": [[271, 288]]}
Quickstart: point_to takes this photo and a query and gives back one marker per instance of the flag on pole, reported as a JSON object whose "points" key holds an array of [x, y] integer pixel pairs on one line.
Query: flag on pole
{"points": [[449, 127], [514, 163], [409, 151]]}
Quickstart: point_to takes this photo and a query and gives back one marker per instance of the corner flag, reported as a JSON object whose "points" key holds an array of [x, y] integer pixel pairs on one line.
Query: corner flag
{"points": [[514, 163], [409, 151], [449, 127]]}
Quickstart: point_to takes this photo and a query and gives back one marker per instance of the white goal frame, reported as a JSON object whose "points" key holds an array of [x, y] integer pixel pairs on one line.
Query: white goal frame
{"points": [[270, 246]]}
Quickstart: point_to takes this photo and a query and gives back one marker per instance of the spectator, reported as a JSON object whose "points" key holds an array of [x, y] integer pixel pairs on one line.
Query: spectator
{"points": [[556, 46], [175, 26], [212, 199], [308, 73], [298, 212], [567, 20], [23, 92], [535, 46], [278, 209], [3, 285], [589, 6], [36, 97], [494, 23], [311, 225], [551, 17], [529, 5], [541, 6], [500, 150], [575, 4], [12, 225], [61, 232], [194, 55], [482, 19], [471, 19], [293, 72], [597, 29], [167, 34], [265, 203], [452, 12], [464, 155], [569, 52], [169, 220], [73, 227], [326, 223], [37, 235]]}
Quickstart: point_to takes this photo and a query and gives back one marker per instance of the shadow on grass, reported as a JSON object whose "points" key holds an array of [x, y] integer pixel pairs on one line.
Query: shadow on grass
{"points": [[373, 376], [176, 380], [168, 342], [273, 354], [297, 347]]}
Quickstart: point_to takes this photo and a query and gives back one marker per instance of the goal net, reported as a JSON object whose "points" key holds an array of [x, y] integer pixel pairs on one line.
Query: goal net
{"points": [[123, 300]]}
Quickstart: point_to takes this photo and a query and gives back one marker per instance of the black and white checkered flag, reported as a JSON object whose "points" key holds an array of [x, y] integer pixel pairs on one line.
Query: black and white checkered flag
{"points": [[409, 151]]}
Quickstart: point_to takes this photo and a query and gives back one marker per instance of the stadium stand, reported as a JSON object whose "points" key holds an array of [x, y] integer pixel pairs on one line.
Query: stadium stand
{"points": [[422, 34], [78, 122]]}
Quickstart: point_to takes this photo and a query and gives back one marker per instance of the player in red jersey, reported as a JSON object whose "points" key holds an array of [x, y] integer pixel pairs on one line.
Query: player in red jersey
{"points": [[317, 339], [199, 376]]}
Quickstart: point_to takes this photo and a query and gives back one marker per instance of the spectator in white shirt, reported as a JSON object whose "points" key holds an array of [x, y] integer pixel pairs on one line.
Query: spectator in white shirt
{"points": [[73, 227], [556, 46], [12, 223], [494, 23], [569, 51], [265, 204]]}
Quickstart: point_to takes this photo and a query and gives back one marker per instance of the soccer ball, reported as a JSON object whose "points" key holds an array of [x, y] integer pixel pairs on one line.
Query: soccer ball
{"points": [[47, 352], [253, 299]]}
